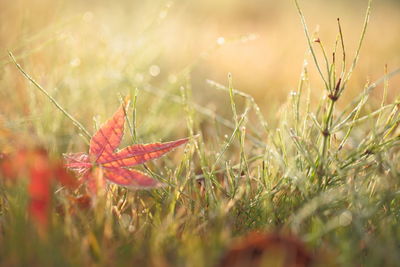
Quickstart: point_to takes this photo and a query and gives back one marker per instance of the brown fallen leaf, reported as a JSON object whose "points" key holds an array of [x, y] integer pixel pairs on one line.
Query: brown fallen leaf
{"points": [[267, 249]]}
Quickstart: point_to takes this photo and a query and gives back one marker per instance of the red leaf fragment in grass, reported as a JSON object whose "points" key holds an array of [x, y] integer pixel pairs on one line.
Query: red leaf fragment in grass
{"points": [[104, 163], [39, 189], [41, 171]]}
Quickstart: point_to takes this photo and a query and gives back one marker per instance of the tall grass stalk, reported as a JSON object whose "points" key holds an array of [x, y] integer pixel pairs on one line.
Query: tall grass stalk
{"points": [[58, 106]]}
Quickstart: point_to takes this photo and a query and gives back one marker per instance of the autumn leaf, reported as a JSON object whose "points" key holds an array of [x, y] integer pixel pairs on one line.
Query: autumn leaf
{"points": [[105, 163], [36, 165], [40, 174], [267, 249]]}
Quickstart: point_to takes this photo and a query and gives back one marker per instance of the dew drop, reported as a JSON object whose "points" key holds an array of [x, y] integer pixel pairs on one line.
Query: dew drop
{"points": [[88, 16], [345, 218], [220, 40], [172, 78], [244, 39], [75, 62], [62, 36], [139, 77], [252, 36], [163, 14], [154, 70]]}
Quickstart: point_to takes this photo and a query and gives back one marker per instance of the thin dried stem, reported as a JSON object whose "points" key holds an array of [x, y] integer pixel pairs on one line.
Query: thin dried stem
{"points": [[38, 86]]}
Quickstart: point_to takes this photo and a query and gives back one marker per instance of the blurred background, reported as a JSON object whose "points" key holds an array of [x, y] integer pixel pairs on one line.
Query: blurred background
{"points": [[86, 52]]}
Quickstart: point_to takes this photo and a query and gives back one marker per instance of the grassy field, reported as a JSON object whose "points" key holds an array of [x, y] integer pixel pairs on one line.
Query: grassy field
{"points": [[292, 119]]}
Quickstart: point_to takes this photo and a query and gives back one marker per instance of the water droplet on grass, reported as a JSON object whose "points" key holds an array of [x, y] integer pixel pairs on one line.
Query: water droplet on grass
{"points": [[154, 70], [172, 78], [88, 16], [75, 62], [163, 14], [252, 36], [139, 77], [220, 40], [345, 218]]}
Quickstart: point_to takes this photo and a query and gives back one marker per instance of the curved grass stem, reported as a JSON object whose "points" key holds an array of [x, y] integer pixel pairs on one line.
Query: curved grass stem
{"points": [[303, 22], [38, 86]]}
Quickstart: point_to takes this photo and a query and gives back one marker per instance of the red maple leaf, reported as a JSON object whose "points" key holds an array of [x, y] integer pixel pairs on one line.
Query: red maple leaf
{"points": [[103, 162]]}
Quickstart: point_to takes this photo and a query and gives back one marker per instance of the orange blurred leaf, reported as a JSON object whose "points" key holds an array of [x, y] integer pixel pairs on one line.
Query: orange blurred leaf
{"points": [[267, 249], [41, 171]]}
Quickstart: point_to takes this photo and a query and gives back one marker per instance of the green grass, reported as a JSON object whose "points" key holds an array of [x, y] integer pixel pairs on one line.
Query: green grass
{"points": [[329, 175]]}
